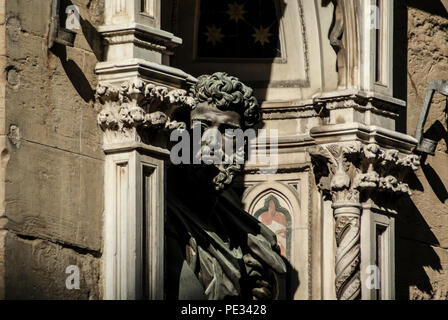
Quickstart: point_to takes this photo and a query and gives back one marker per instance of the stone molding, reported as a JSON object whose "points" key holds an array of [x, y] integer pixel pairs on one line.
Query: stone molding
{"points": [[140, 35], [361, 100], [118, 72], [322, 104], [134, 110], [389, 139]]}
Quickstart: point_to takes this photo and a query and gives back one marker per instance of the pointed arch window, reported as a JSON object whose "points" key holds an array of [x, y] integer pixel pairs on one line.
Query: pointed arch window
{"points": [[278, 219]]}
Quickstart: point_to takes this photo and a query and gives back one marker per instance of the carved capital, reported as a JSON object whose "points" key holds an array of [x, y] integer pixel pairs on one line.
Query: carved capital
{"points": [[348, 169], [385, 170], [135, 110], [335, 168]]}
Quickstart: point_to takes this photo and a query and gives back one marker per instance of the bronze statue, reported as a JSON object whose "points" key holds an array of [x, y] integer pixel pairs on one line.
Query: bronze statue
{"points": [[215, 250]]}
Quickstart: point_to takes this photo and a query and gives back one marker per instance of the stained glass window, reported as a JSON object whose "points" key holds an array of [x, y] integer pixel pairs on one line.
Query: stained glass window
{"points": [[238, 29]]}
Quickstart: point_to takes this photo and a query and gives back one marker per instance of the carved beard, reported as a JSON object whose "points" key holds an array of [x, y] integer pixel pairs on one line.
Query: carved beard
{"points": [[230, 167], [220, 175]]}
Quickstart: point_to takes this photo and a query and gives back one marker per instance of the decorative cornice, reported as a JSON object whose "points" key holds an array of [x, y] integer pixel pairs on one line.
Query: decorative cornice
{"points": [[141, 35], [136, 109], [361, 101], [320, 105], [336, 133], [118, 72]]}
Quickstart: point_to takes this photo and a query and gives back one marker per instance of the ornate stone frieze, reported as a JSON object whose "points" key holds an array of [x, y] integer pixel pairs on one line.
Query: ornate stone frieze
{"points": [[134, 110], [346, 170], [385, 171]]}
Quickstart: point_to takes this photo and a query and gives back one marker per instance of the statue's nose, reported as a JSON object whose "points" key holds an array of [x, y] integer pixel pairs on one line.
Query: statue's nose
{"points": [[212, 138]]}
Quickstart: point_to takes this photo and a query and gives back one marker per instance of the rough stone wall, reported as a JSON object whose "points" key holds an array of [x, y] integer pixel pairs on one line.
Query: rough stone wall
{"points": [[54, 177], [422, 228]]}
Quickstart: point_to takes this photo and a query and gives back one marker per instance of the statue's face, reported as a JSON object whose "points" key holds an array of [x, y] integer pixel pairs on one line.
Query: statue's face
{"points": [[214, 123]]}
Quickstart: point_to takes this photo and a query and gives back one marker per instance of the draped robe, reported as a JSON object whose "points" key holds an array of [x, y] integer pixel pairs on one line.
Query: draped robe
{"points": [[220, 254]]}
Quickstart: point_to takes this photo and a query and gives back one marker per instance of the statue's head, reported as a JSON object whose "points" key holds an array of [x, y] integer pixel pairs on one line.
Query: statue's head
{"points": [[222, 103]]}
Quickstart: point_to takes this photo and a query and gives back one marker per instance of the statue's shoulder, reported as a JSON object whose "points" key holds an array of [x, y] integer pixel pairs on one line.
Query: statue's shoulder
{"points": [[260, 239], [234, 207], [230, 199]]}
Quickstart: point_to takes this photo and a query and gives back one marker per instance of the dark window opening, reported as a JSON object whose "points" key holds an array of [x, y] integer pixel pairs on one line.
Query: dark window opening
{"points": [[238, 29]]}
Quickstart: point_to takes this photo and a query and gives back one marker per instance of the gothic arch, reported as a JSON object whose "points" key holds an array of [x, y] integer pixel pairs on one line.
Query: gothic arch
{"points": [[278, 199]]}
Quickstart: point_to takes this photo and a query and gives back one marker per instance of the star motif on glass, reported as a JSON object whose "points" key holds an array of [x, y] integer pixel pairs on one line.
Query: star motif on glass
{"points": [[241, 29], [262, 35], [236, 11], [214, 34]]}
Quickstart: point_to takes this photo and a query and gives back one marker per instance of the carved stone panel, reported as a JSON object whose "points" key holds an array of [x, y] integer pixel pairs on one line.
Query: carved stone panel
{"points": [[136, 111]]}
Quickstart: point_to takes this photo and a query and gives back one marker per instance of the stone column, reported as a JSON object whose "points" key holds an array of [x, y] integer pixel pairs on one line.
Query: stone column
{"points": [[350, 174], [136, 120], [337, 178], [137, 96]]}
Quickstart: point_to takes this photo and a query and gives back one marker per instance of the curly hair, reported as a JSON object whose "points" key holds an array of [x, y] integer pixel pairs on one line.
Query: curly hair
{"points": [[228, 93]]}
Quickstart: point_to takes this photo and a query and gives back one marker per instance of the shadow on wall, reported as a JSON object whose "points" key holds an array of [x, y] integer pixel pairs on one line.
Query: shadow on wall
{"points": [[90, 33], [414, 238], [436, 132], [414, 243], [74, 73]]}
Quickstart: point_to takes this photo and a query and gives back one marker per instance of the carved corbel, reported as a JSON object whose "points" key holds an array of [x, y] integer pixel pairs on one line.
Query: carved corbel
{"points": [[134, 110]]}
